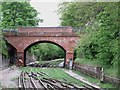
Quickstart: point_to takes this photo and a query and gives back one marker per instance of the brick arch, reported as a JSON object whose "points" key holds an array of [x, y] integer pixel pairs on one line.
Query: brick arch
{"points": [[11, 45], [43, 41], [26, 36]]}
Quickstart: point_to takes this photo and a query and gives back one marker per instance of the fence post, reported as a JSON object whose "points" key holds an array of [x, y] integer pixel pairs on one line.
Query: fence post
{"points": [[70, 63], [102, 76], [98, 70]]}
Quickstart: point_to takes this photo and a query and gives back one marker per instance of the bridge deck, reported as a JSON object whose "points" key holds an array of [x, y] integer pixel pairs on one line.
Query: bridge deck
{"points": [[42, 31]]}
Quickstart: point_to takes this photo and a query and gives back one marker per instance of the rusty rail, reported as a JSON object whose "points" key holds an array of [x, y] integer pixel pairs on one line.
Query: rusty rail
{"points": [[30, 80]]}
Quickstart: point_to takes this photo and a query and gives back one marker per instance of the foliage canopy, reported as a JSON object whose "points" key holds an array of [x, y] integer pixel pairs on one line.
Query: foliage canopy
{"points": [[47, 51], [16, 14], [99, 21]]}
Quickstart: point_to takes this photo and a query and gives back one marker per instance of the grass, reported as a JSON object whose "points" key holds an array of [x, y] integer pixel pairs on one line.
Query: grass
{"points": [[87, 62], [95, 81], [59, 74], [55, 73], [107, 70], [111, 72]]}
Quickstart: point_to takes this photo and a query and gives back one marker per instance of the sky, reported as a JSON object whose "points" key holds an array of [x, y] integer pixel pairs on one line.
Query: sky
{"points": [[48, 12]]}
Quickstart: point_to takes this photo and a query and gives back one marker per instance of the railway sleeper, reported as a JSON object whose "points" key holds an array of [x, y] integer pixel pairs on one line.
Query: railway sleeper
{"points": [[41, 82], [49, 86], [54, 81], [27, 81], [55, 85], [19, 82], [67, 85]]}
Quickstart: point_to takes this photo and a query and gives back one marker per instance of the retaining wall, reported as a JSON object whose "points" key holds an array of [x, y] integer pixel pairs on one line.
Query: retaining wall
{"points": [[96, 73]]}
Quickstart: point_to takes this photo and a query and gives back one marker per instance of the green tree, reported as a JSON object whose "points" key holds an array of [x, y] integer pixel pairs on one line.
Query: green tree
{"points": [[46, 51], [78, 14], [3, 47], [16, 14], [100, 22]]}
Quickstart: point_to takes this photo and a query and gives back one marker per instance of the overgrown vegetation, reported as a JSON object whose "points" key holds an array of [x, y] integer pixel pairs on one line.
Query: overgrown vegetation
{"points": [[14, 15], [111, 71], [55, 73], [47, 51], [99, 22], [95, 81]]}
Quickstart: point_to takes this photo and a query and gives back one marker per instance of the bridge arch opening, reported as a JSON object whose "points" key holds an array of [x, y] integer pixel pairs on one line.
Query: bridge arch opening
{"points": [[12, 54], [44, 42]]}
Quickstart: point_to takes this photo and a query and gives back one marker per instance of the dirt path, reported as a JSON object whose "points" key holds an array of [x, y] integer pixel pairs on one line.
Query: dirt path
{"points": [[82, 79], [8, 77]]}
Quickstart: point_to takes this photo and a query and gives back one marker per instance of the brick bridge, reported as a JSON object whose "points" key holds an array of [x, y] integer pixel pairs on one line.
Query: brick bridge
{"points": [[25, 37]]}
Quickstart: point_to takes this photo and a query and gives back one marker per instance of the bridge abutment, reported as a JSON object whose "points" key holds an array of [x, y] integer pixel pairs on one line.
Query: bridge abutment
{"points": [[20, 59], [69, 56]]}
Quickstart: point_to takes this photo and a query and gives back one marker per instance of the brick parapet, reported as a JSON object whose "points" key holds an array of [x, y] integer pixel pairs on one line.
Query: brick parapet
{"points": [[45, 29]]}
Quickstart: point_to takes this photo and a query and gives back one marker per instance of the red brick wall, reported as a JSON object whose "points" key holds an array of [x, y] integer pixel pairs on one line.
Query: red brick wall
{"points": [[22, 41], [45, 29]]}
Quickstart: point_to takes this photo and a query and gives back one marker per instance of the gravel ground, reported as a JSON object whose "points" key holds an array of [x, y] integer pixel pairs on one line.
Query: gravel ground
{"points": [[8, 77]]}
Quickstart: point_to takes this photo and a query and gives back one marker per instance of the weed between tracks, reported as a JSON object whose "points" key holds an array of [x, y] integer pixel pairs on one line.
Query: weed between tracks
{"points": [[55, 73]]}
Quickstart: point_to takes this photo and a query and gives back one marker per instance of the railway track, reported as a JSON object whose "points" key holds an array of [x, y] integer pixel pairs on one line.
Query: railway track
{"points": [[31, 81], [42, 65]]}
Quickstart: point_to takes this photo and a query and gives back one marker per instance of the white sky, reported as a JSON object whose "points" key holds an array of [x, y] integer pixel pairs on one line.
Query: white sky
{"points": [[48, 12]]}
